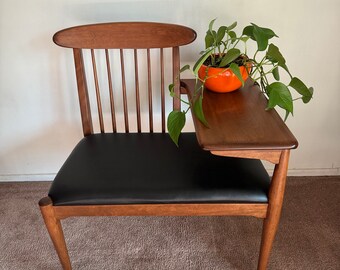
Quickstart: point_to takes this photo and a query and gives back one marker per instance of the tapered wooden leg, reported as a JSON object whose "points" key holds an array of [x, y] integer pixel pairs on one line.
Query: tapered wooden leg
{"points": [[55, 230], [271, 222]]}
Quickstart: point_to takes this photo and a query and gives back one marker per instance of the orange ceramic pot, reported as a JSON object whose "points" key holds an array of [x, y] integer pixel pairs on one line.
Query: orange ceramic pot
{"points": [[221, 80]]}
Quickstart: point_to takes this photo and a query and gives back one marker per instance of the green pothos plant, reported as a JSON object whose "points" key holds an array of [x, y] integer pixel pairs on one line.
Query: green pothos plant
{"points": [[224, 48]]}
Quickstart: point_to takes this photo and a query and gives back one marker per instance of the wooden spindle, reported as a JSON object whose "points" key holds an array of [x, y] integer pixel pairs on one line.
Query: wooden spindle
{"points": [[137, 92], [162, 89], [99, 105], [85, 108], [175, 72], [126, 117], [112, 105], [149, 90]]}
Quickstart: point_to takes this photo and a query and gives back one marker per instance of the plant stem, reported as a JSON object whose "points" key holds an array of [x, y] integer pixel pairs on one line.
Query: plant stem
{"points": [[266, 73], [182, 100], [238, 40]]}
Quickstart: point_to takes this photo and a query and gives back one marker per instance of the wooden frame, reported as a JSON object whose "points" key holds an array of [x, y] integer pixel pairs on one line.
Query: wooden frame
{"points": [[262, 135], [269, 212], [274, 147]]}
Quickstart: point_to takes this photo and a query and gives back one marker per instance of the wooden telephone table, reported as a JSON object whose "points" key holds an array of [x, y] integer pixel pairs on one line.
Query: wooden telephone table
{"points": [[239, 126]]}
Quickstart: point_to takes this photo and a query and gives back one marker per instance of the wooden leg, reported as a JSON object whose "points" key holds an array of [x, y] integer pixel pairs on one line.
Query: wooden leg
{"points": [[271, 222], [55, 230]]}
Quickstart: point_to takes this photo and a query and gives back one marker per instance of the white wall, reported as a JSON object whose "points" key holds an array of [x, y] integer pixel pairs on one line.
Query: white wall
{"points": [[39, 117]]}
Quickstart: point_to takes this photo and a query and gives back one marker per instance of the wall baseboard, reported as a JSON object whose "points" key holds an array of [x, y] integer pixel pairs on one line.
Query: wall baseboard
{"points": [[50, 176], [311, 172], [26, 177]]}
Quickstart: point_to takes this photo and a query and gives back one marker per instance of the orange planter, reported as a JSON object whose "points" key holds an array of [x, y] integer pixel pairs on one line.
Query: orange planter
{"points": [[221, 80]]}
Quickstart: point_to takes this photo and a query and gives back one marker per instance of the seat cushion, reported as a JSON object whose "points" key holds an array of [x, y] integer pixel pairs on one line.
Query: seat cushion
{"points": [[148, 168]]}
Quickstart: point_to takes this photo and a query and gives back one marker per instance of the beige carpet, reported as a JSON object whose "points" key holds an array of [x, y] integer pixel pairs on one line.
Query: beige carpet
{"points": [[308, 237]]}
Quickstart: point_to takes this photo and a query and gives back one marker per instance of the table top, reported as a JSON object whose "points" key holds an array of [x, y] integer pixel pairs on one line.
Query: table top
{"points": [[238, 121]]}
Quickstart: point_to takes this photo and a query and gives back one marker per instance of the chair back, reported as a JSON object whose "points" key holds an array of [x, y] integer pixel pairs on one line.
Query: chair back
{"points": [[131, 61]]}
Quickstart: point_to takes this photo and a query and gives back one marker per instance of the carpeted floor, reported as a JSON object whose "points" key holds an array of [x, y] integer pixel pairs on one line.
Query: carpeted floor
{"points": [[308, 236]]}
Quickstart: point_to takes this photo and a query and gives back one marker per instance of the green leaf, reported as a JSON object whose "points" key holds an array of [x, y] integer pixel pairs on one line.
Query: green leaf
{"points": [[286, 68], [286, 116], [262, 35], [276, 73], [209, 40], [280, 95], [211, 34], [171, 89], [184, 68], [232, 26], [306, 99], [248, 31], [300, 87], [220, 34], [230, 56], [274, 55], [261, 38], [175, 124], [233, 36], [236, 69], [214, 34], [211, 25], [200, 61], [198, 111], [270, 33]]}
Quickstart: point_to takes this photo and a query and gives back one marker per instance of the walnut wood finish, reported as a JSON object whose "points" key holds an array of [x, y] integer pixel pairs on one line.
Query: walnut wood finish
{"points": [[83, 94], [53, 214], [239, 127], [139, 126], [128, 35], [99, 102], [271, 222], [238, 121], [121, 36], [255, 210], [176, 79], [150, 90], [122, 68], [162, 89], [55, 230], [112, 103], [272, 156], [140, 37]]}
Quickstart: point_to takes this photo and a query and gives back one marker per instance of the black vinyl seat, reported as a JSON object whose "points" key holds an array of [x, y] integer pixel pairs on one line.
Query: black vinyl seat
{"points": [[139, 168]]}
